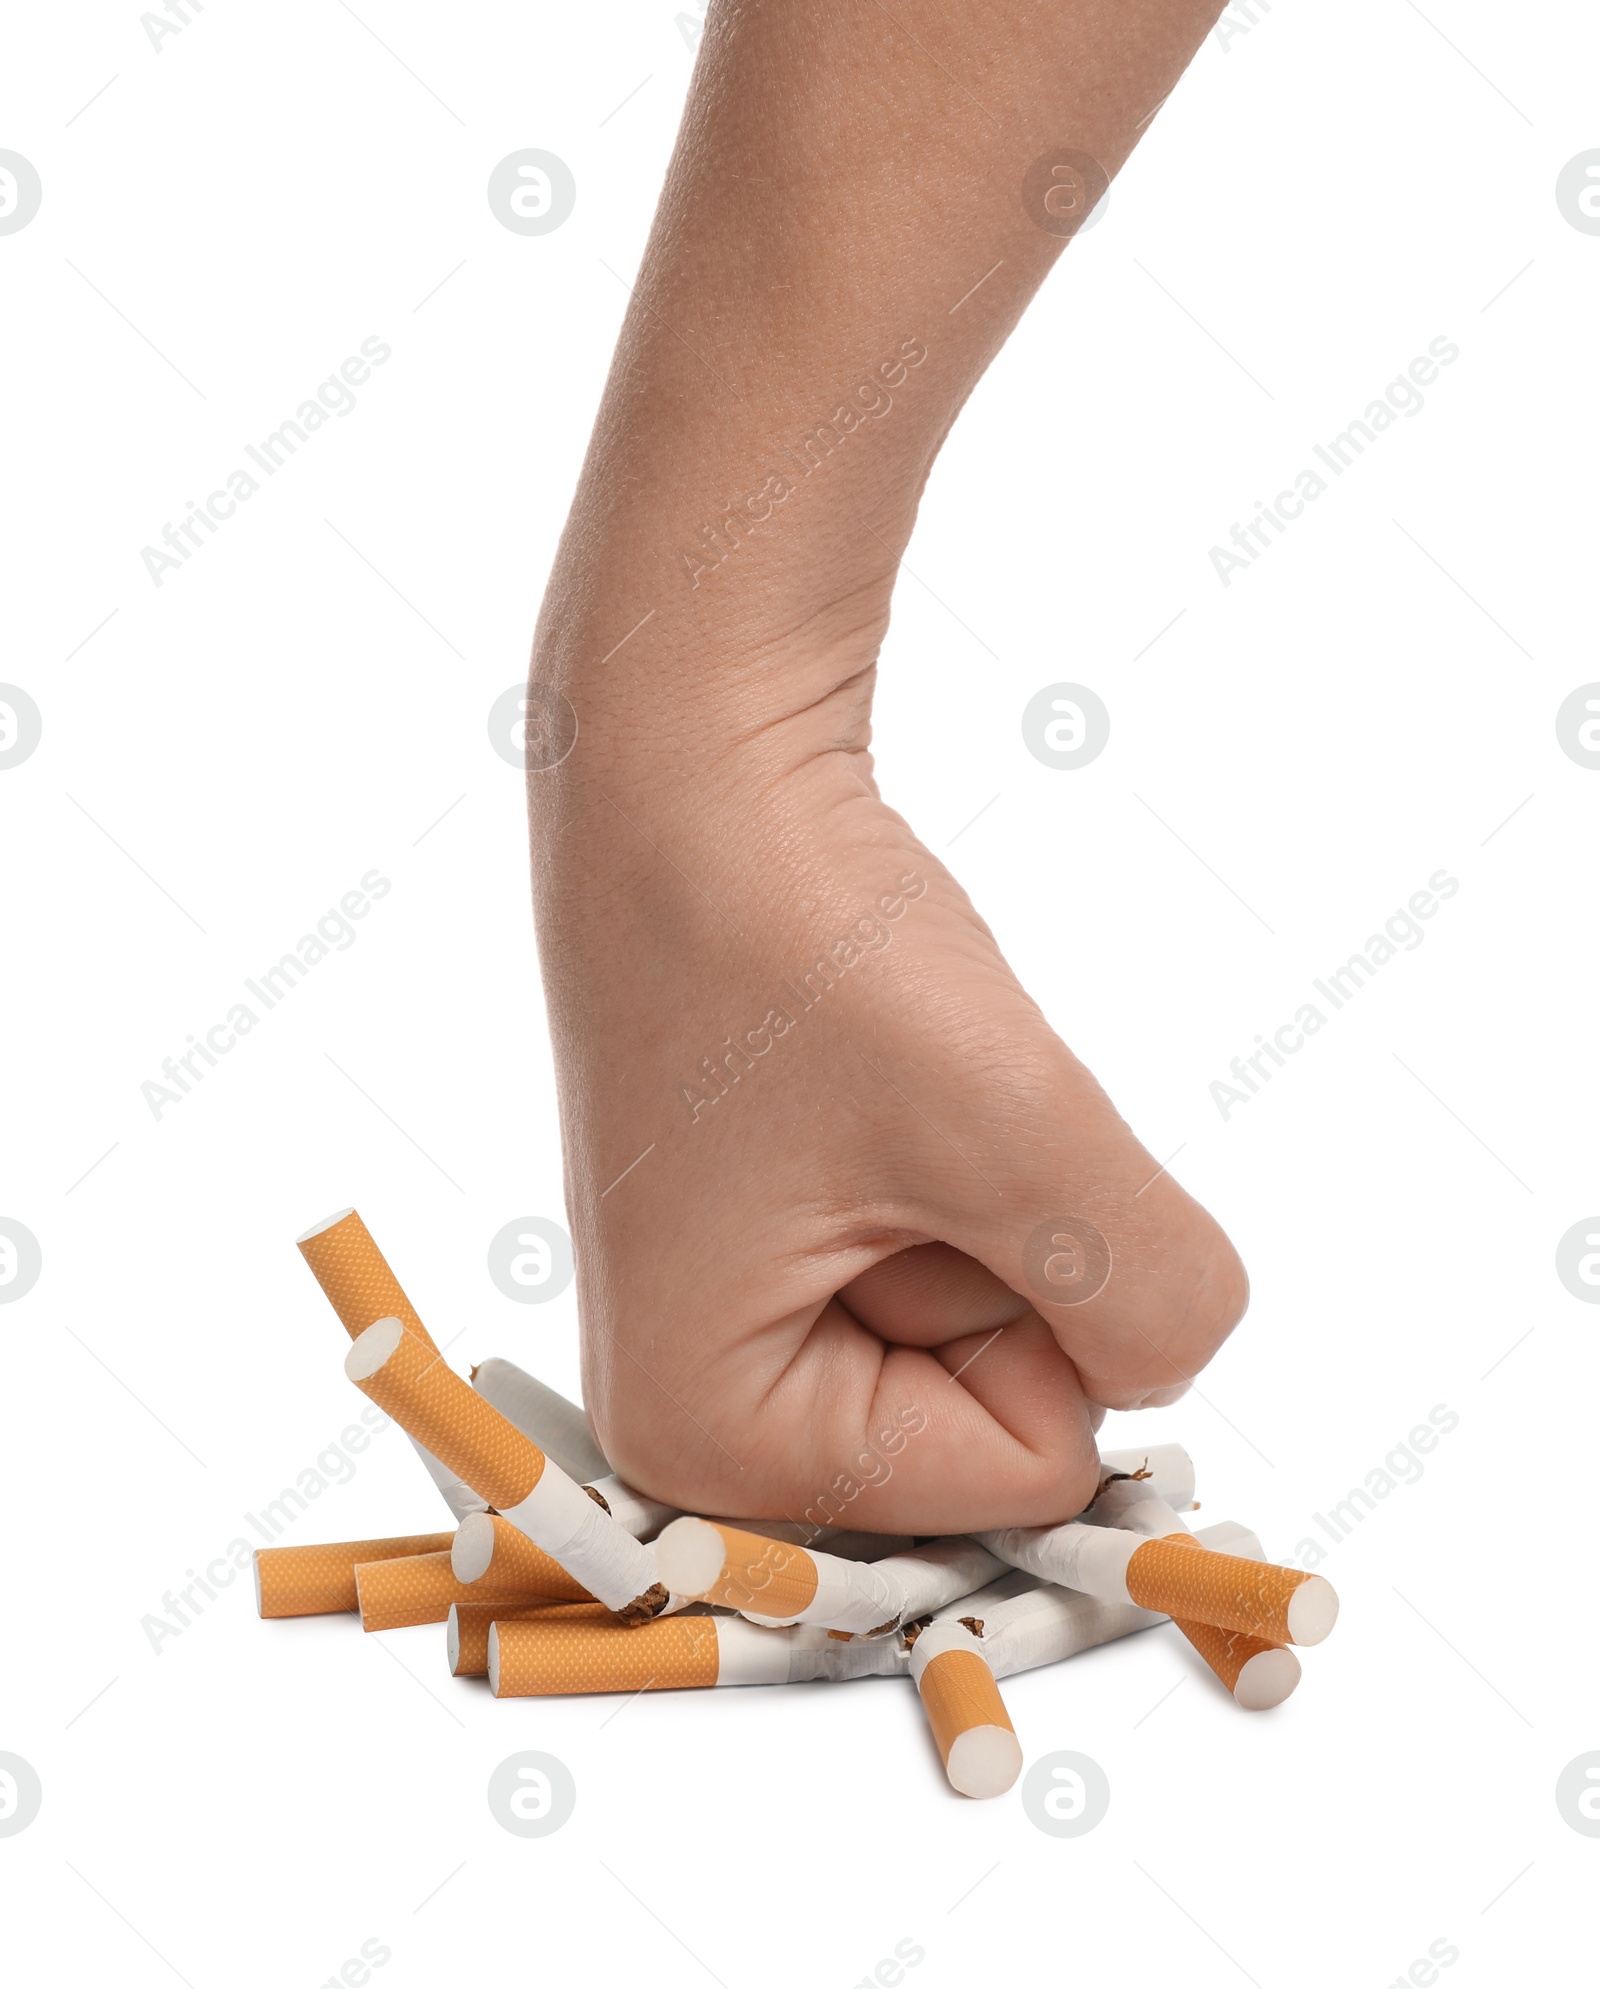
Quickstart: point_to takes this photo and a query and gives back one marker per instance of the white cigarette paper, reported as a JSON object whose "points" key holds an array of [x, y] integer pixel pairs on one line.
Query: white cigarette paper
{"points": [[559, 1427]]}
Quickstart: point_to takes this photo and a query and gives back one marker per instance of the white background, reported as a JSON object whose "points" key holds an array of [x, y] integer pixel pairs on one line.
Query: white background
{"points": [[224, 756]]}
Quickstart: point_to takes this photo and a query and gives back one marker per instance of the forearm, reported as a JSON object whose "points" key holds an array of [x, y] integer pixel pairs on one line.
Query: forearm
{"points": [[841, 247]]}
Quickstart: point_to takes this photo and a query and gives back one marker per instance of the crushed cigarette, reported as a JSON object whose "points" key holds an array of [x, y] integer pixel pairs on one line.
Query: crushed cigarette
{"points": [[971, 1727], [411, 1382], [560, 1578]]}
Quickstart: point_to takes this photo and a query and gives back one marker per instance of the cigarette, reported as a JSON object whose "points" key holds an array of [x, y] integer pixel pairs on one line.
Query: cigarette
{"points": [[509, 1471], [779, 1582], [489, 1549], [467, 1628], [971, 1727], [773, 1581], [1044, 1624], [321, 1581], [559, 1427], [1260, 1674], [1257, 1598], [357, 1282], [542, 1655], [393, 1595]]}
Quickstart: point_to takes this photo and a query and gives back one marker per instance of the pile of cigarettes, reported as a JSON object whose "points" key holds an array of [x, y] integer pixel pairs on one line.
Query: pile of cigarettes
{"points": [[557, 1578]]}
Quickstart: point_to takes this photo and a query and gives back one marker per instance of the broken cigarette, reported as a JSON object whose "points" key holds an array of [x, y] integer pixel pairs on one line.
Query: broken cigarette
{"points": [[1043, 1624], [546, 1654], [773, 1581], [489, 1549], [321, 1580], [357, 1282], [971, 1727], [778, 1582], [539, 1655], [1279, 1605], [559, 1427], [393, 1595], [1260, 1674], [467, 1628], [412, 1383]]}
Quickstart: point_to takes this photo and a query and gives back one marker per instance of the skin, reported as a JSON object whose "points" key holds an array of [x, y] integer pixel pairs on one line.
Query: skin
{"points": [[811, 1293]]}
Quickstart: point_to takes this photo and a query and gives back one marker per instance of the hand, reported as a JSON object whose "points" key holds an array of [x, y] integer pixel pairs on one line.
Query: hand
{"points": [[812, 1294]]}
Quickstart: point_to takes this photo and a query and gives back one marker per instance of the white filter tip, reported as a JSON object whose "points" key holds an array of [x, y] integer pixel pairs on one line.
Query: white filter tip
{"points": [[369, 1350], [1266, 1680], [473, 1547], [689, 1556], [1313, 1610], [984, 1761]]}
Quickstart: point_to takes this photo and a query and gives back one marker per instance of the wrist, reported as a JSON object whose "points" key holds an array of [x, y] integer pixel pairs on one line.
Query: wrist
{"points": [[732, 565]]}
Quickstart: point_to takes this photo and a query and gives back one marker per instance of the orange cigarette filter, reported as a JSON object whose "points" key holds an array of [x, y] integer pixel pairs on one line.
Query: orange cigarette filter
{"points": [[771, 1577], [1256, 1598], [451, 1421], [355, 1276], [321, 1581], [490, 1550], [467, 1629], [542, 1656], [1259, 1674], [395, 1594], [966, 1715]]}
